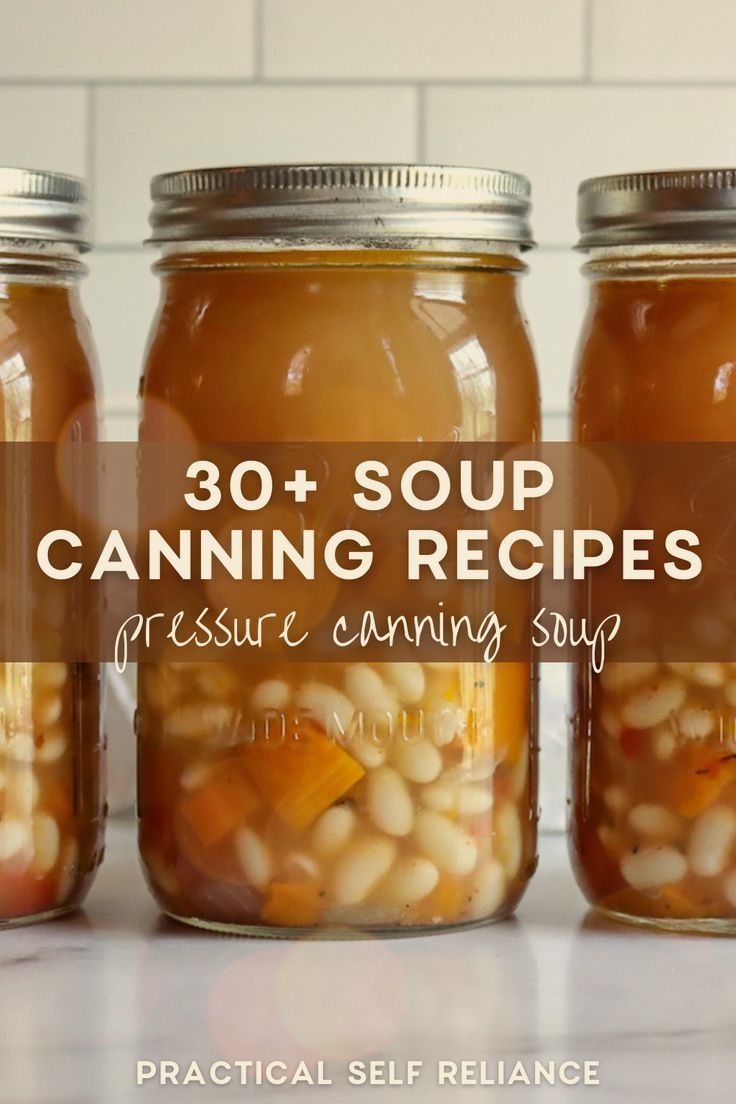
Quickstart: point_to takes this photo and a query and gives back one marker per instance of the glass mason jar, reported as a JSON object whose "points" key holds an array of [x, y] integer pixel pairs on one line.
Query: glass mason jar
{"points": [[653, 825], [353, 304], [51, 799]]}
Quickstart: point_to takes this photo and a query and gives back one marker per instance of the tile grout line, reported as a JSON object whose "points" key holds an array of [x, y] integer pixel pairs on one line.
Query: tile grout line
{"points": [[444, 83], [90, 108]]}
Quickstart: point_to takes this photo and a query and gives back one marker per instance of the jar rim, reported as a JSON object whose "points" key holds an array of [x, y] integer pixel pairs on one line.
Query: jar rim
{"points": [[359, 204], [664, 207], [38, 207]]}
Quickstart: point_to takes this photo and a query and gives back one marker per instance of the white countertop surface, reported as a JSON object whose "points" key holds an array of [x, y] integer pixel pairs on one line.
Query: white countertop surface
{"points": [[85, 998]]}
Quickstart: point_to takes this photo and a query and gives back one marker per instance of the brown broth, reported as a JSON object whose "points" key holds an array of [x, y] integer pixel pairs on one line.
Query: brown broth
{"points": [[653, 781], [337, 347], [51, 799]]}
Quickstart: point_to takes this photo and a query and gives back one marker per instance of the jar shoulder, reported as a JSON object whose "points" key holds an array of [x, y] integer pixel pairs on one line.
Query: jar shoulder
{"points": [[48, 366], [657, 361], [345, 355]]}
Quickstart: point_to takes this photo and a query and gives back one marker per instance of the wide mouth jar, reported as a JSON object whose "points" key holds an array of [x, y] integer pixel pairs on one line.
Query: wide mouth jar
{"points": [[342, 206], [653, 817], [51, 796], [44, 224], [338, 304]]}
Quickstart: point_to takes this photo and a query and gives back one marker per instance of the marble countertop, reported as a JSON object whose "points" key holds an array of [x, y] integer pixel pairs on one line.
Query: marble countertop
{"points": [[85, 999]]}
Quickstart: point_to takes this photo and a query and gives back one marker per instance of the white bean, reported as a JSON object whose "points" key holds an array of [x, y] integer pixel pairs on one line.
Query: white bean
{"points": [[664, 742], [463, 801], [711, 841], [195, 776], [473, 800], [440, 797], [617, 677], [702, 674], [389, 802], [368, 691], [419, 762], [369, 753], [51, 747], [329, 707], [333, 829], [46, 841], [610, 838], [442, 721], [653, 866], [653, 704], [22, 748], [23, 791], [695, 722], [359, 869], [253, 857], [271, 695], [655, 821], [708, 674], [47, 710], [13, 837], [616, 798], [406, 679], [509, 839], [299, 866], [203, 719], [444, 843], [410, 880], [478, 769], [51, 676], [488, 890]]}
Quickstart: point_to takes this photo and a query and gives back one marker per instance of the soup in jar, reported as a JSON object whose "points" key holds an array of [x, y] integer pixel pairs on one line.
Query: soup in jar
{"points": [[653, 825], [51, 797], [375, 304]]}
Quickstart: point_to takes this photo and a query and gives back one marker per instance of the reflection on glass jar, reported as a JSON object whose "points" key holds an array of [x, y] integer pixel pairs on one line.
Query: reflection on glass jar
{"points": [[281, 797]]}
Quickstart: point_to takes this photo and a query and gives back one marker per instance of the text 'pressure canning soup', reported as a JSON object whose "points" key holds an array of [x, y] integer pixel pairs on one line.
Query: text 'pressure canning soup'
{"points": [[50, 737], [376, 304], [654, 771]]}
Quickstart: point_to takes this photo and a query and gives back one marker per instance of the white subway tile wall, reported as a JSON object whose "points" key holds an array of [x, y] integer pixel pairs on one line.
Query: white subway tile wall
{"points": [[145, 129], [127, 39], [44, 126], [664, 40], [423, 39], [119, 89]]}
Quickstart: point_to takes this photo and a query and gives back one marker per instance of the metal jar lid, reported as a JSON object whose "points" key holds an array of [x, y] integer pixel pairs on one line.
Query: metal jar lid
{"points": [[671, 207], [43, 207], [374, 205]]}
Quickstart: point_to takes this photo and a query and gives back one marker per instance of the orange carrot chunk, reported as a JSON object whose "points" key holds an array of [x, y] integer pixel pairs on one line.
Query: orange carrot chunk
{"points": [[220, 805], [511, 695], [291, 904], [302, 775], [706, 774]]}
